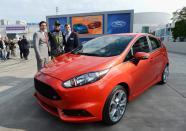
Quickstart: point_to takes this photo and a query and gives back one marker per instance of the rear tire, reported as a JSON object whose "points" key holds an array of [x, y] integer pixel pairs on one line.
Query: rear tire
{"points": [[165, 75], [115, 106]]}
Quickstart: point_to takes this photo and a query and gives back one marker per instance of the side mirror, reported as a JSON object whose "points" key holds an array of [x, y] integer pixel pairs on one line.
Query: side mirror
{"points": [[141, 56]]}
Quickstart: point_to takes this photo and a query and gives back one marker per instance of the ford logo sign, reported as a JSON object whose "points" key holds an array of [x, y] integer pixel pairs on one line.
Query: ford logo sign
{"points": [[118, 24]]}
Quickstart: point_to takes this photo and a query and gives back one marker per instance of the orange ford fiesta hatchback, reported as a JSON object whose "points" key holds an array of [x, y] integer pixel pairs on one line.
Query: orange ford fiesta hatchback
{"points": [[96, 81]]}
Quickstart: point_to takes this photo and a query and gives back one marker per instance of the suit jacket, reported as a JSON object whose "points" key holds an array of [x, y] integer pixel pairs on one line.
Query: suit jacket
{"points": [[25, 44], [40, 42], [72, 42], [53, 43], [20, 45]]}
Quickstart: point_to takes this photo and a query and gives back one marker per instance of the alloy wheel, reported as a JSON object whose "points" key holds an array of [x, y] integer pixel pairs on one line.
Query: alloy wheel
{"points": [[118, 105]]}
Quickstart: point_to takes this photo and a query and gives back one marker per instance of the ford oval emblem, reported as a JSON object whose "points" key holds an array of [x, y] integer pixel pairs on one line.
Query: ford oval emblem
{"points": [[118, 24]]}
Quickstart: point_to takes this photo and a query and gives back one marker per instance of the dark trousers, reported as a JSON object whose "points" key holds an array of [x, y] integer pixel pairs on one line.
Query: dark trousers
{"points": [[8, 55], [1, 55], [26, 53], [21, 53]]}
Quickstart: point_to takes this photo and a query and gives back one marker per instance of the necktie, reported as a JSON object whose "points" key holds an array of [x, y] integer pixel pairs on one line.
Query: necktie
{"points": [[46, 38]]}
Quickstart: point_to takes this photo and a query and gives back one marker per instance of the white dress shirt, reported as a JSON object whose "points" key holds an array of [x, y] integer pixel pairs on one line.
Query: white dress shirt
{"points": [[67, 35]]}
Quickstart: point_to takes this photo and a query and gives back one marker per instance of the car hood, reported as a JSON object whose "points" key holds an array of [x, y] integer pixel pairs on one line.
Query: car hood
{"points": [[69, 65]]}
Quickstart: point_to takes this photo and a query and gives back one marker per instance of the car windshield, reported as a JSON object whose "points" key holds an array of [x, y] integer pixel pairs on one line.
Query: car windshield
{"points": [[105, 46]]}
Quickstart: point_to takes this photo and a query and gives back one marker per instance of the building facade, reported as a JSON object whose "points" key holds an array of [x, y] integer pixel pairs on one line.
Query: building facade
{"points": [[18, 29], [157, 23]]}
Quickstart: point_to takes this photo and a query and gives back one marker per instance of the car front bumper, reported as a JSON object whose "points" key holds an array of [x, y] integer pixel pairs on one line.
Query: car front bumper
{"points": [[80, 104]]}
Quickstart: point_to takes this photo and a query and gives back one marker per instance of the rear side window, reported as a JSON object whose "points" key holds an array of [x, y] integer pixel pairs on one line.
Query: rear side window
{"points": [[154, 43], [141, 45], [129, 56]]}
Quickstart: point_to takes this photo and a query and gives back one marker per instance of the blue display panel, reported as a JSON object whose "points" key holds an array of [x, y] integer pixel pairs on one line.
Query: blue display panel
{"points": [[118, 23], [62, 21]]}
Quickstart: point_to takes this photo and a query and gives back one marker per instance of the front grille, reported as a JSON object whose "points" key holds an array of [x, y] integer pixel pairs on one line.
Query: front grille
{"points": [[46, 90]]}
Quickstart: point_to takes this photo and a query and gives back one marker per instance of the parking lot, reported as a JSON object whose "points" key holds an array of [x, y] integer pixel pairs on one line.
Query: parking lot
{"points": [[160, 108]]}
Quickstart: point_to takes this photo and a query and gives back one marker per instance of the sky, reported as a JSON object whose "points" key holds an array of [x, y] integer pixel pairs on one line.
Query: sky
{"points": [[37, 10]]}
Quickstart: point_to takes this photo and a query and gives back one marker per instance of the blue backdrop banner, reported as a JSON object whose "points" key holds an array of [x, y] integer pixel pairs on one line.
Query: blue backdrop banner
{"points": [[118, 23]]}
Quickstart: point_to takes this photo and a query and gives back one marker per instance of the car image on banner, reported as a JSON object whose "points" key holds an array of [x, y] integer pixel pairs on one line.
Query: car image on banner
{"points": [[90, 25], [62, 21], [80, 28], [118, 23], [95, 24]]}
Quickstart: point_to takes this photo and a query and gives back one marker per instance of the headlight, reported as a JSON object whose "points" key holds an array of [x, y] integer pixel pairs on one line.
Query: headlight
{"points": [[85, 79]]}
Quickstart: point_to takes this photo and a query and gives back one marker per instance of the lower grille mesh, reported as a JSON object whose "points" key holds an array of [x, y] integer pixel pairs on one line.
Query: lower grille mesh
{"points": [[46, 90]]}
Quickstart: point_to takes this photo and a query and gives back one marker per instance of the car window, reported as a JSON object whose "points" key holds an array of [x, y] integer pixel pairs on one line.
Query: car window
{"points": [[141, 45], [154, 43], [129, 56]]}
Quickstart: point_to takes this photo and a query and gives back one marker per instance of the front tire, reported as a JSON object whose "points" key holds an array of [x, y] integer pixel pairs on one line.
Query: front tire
{"points": [[165, 75], [115, 106]]}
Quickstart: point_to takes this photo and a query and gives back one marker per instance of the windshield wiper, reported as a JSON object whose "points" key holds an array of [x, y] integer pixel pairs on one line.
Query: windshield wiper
{"points": [[88, 54]]}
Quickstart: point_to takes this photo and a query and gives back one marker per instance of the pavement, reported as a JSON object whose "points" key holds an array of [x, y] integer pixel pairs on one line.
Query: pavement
{"points": [[160, 108]]}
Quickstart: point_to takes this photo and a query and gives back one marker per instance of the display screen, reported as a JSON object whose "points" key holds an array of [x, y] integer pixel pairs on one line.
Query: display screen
{"points": [[91, 25]]}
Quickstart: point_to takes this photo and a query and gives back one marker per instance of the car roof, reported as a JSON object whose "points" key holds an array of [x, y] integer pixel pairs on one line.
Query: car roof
{"points": [[132, 34]]}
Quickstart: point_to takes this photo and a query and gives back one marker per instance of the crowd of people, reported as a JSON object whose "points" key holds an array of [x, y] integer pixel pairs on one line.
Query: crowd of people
{"points": [[8, 48]]}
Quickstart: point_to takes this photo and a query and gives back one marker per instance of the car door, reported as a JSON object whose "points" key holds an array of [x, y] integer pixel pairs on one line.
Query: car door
{"points": [[156, 56], [140, 72]]}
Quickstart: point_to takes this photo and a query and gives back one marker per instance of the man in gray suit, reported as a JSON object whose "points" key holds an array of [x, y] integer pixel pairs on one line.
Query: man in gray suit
{"points": [[40, 41]]}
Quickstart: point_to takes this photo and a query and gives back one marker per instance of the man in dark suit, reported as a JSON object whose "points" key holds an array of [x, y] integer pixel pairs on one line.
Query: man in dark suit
{"points": [[20, 48], [71, 39], [26, 46]]}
